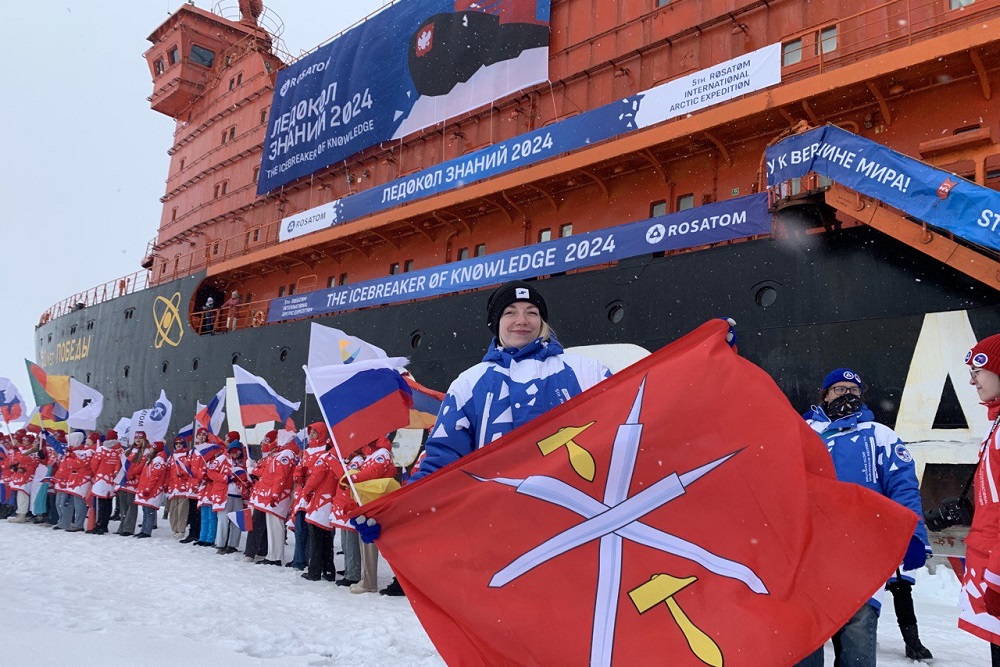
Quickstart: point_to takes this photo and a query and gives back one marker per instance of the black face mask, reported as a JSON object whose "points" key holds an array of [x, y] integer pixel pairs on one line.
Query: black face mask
{"points": [[842, 406]]}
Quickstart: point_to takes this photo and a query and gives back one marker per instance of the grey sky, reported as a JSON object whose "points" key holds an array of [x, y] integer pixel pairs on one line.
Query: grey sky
{"points": [[84, 156]]}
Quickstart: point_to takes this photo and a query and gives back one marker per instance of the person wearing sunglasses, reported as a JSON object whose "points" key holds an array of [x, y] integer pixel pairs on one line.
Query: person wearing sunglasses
{"points": [[869, 454]]}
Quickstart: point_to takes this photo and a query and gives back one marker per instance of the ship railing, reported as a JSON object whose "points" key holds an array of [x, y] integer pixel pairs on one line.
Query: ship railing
{"points": [[215, 321], [112, 289]]}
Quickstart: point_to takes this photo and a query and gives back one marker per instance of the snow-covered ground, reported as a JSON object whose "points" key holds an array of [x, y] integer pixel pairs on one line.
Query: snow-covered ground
{"points": [[82, 600]]}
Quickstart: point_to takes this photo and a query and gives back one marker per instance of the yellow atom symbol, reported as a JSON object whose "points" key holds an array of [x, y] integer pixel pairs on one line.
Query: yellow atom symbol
{"points": [[167, 318]]}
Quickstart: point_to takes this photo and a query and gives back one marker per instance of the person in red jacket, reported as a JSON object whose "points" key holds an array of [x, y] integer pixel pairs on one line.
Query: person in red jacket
{"points": [[275, 495], [105, 464], [979, 606], [22, 467], [320, 486], [75, 478], [134, 455], [376, 464], [150, 490], [256, 544], [315, 447], [228, 480], [180, 484]]}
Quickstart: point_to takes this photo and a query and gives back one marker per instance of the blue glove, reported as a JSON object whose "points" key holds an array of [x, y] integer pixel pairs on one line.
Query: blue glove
{"points": [[731, 334], [368, 529], [916, 554]]}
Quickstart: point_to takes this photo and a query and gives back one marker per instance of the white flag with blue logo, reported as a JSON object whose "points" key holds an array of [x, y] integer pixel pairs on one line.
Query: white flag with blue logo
{"points": [[155, 420]]}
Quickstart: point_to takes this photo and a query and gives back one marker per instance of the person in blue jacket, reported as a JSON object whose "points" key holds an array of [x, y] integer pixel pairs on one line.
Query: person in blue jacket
{"points": [[870, 454], [524, 373]]}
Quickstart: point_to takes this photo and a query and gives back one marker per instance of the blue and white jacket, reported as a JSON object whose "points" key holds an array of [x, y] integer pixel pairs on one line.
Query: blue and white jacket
{"points": [[509, 388], [872, 455]]}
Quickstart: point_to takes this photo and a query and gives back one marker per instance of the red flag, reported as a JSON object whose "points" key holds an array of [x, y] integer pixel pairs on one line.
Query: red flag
{"points": [[678, 513]]}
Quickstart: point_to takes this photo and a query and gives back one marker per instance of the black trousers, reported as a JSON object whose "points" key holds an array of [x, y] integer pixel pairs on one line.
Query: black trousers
{"points": [[257, 538], [103, 514], [320, 551], [194, 518], [902, 602]]}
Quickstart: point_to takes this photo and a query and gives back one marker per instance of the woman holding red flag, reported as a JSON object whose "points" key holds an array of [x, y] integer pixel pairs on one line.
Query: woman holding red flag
{"points": [[979, 605]]}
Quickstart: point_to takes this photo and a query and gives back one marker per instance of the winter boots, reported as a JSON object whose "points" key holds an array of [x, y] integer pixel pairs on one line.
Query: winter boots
{"points": [[914, 649]]}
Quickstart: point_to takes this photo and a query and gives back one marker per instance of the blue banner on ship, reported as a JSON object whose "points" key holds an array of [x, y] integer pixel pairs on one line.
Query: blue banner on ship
{"points": [[932, 195], [733, 78], [712, 223], [410, 66]]}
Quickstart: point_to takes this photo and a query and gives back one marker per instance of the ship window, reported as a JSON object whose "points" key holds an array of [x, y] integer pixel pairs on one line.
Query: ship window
{"points": [[163, 268], [331, 281], [657, 208], [129, 313], [263, 116], [126, 371], [173, 55], [958, 4], [766, 296], [165, 366], [216, 195], [281, 291], [194, 363], [182, 164], [283, 355], [215, 248], [566, 230], [239, 78], [90, 325], [407, 266], [72, 329], [49, 338], [827, 40], [256, 175], [394, 268], [544, 235], [88, 378], [232, 133], [232, 83], [791, 52], [463, 253], [253, 235], [343, 279], [173, 214], [480, 249], [415, 339], [291, 289], [202, 56], [616, 311], [684, 202], [224, 135], [159, 66], [236, 357], [662, 3]]}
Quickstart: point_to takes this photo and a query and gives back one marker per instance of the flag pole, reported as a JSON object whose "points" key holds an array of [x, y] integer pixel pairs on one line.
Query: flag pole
{"points": [[329, 430]]}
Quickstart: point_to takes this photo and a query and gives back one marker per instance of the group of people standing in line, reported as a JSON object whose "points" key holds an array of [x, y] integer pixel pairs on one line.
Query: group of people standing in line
{"points": [[524, 373], [200, 488]]}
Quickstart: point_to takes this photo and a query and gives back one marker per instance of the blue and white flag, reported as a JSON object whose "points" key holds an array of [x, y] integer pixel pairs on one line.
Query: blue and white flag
{"points": [[153, 421]]}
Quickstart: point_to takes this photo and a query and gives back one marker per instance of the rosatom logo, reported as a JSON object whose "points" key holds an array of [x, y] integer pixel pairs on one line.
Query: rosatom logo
{"points": [[655, 233], [158, 412], [166, 315], [291, 226]]}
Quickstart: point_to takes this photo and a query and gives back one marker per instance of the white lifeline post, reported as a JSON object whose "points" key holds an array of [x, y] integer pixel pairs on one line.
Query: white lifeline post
{"points": [[329, 430]]}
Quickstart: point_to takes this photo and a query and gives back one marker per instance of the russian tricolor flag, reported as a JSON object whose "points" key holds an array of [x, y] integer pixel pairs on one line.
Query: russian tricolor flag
{"points": [[210, 416], [243, 519], [258, 402], [186, 432], [364, 400], [209, 450], [12, 406]]}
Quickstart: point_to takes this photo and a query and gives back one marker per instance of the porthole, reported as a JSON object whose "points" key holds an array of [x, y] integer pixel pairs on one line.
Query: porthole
{"points": [[88, 378], [766, 296], [416, 338], [126, 371], [283, 355], [236, 357], [165, 366], [616, 312], [194, 363]]}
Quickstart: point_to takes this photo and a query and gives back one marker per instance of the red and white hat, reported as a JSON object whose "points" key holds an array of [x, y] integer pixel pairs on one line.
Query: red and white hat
{"points": [[985, 354]]}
